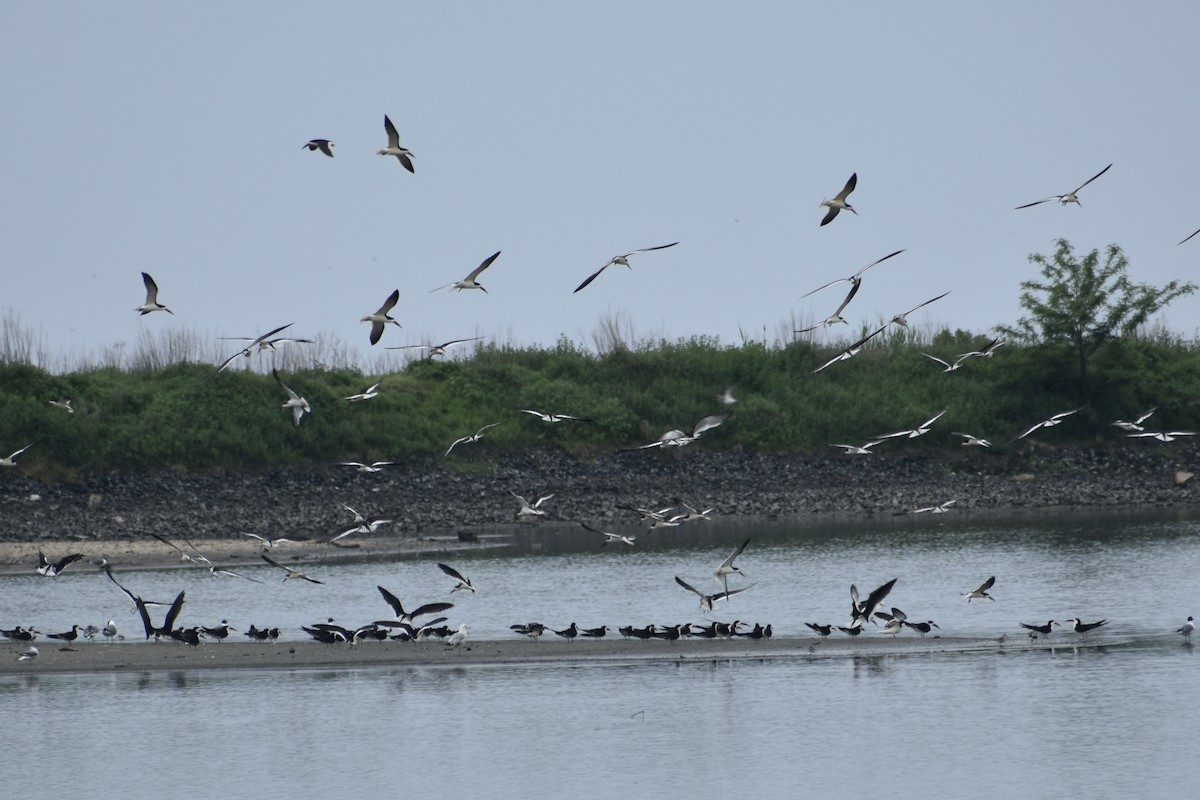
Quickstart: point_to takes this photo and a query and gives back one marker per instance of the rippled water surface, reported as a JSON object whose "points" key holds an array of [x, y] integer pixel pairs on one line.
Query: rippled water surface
{"points": [[1106, 722]]}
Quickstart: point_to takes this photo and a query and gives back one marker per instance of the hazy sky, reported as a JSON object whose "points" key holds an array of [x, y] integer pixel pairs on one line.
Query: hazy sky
{"points": [[167, 138]]}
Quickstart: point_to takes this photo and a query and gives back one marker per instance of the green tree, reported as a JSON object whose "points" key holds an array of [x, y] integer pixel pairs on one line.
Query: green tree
{"points": [[1084, 302]]}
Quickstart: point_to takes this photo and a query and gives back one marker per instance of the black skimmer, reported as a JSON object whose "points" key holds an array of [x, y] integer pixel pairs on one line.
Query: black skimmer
{"points": [[531, 629], [328, 633], [894, 626], [622, 260], [913, 433], [850, 351], [66, 636], [677, 438], [922, 627], [946, 365], [266, 543], [1069, 197], [726, 397], [530, 510], [1162, 436], [324, 145], [982, 591], [860, 612], [458, 637], [248, 350], [901, 319], [220, 633], [19, 634], [855, 279], [376, 466], [370, 393], [972, 441], [407, 617], [691, 514], [1186, 630], [820, 630], [609, 538], [1136, 425], [258, 634], [594, 633], [858, 450], [1038, 630], [402, 154], [472, 439], [291, 571], [151, 303], [707, 600], [266, 345], [462, 582], [728, 568], [64, 404], [552, 418], [168, 621], [471, 282], [51, 569], [435, 349], [1084, 628], [10, 461], [360, 524], [1048, 423], [839, 201], [381, 319], [854, 629], [836, 316], [295, 402], [568, 633], [28, 655]]}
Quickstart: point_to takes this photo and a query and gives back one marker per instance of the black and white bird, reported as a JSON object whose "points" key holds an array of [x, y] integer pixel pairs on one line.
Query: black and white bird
{"points": [[291, 572], [381, 319], [1186, 630], [858, 450], [861, 611], [151, 303], [1039, 630], [471, 282], [728, 568], [248, 350], [1048, 423], [407, 617], [435, 349], [1084, 628], [1162, 436], [982, 591], [28, 655], [820, 630], [534, 510], [901, 319], [677, 438], [324, 145], [64, 404], [922, 627], [1069, 197], [295, 402], [394, 148], [707, 600], [266, 542], [971, 441], [913, 433], [1136, 425], [51, 569], [472, 439], [609, 538], [461, 581], [370, 393], [852, 350], [839, 201], [622, 260], [10, 461], [551, 417], [856, 279], [66, 636], [375, 466]]}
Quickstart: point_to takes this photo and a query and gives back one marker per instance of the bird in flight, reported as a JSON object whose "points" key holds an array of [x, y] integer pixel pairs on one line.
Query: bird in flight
{"points": [[707, 600], [727, 568], [852, 350], [839, 201], [982, 591], [10, 461], [52, 568], [151, 303], [324, 145], [435, 349], [472, 439], [901, 319], [609, 538], [463, 582], [1048, 423], [295, 402], [402, 154], [250, 347], [622, 260], [370, 393], [381, 319], [470, 281], [1069, 197], [291, 572]]}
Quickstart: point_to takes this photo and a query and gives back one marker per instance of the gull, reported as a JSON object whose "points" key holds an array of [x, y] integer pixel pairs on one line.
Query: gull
{"points": [[472, 439], [609, 538], [28, 655], [1048, 423], [458, 637], [901, 319], [64, 404], [839, 201], [248, 349], [1162, 436], [551, 417], [1136, 425], [946, 364], [52, 569], [376, 466], [381, 319], [266, 543], [291, 573], [860, 612], [529, 509], [295, 402], [1186, 630], [151, 303], [1085, 627], [727, 568], [707, 600], [402, 154], [850, 351], [1039, 630], [10, 461], [324, 145], [856, 279], [678, 438], [463, 583], [622, 260], [1069, 197], [982, 591], [90, 632], [370, 393], [920, 430], [435, 349], [109, 630], [469, 282], [972, 441], [726, 397], [856, 450]]}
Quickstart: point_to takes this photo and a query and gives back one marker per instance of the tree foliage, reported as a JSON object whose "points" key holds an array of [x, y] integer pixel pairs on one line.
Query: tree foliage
{"points": [[1084, 302]]}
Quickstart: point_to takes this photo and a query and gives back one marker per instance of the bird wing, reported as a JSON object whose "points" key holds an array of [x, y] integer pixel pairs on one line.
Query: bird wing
{"points": [[854, 286], [485, 427], [647, 249], [592, 277], [945, 364], [1039, 202], [848, 188], [390, 303], [1191, 235], [172, 613], [873, 263], [274, 563], [989, 583], [455, 444], [833, 212], [1097, 175], [392, 135], [452, 572], [430, 608], [709, 422], [689, 587], [279, 380], [932, 419], [1031, 430], [729, 561], [826, 286], [487, 262], [393, 601], [922, 305], [151, 289]]}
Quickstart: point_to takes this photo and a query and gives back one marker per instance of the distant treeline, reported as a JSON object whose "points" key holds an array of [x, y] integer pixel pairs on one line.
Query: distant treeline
{"points": [[182, 416]]}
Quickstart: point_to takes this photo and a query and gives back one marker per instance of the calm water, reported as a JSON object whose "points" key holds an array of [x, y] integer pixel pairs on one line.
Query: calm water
{"points": [[1108, 722]]}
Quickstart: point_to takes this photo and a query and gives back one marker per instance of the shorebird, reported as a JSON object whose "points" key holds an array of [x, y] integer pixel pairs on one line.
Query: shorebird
{"points": [[151, 303], [19, 634], [462, 583], [266, 543], [609, 538], [691, 514], [860, 612], [727, 568], [707, 600], [622, 260], [922, 627], [52, 569], [678, 438], [64, 404], [1162, 436], [568, 633], [470, 281], [726, 397], [820, 630], [151, 629], [381, 319], [1039, 630], [982, 591], [435, 349], [946, 365], [324, 145], [1136, 425], [291, 572], [894, 626], [28, 655], [839, 201], [850, 351], [530, 510], [972, 441], [1085, 627], [857, 450], [109, 630], [376, 466], [856, 279], [472, 439], [550, 417], [458, 637], [90, 632], [370, 393], [66, 636], [10, 461], [1069, 197], [248, 349], [836, 316], [938, 509], [220, 632], [1048, 423], [295, 402], [1186, 630], [407, 617], [913, 433], [901, 319], [594, 633], [402, 154], [531, 629], [854, 629]]}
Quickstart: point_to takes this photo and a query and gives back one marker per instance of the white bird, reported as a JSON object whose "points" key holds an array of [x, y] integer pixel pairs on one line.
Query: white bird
{"points": [[151, 303], [852, 350], [972, 441], [622, 260], [324, 145], [856, 278], [856, 450], [836, 316], [373, 467], [1187, 629], [266, 543], [726, 397], [291, 572], [948, 367], [987, 351], [529, 509], [458, 637], [609, 538], [64, 404], [839, 201], [360, 524], [463, 582], [381, 319], [678, 438], [265, 345], [982, 591], [692, 514], [470, 281], [402, 154], [370, 393], [727, 568], [295, 402], [472, 439], [246, 351], [1136, 425], [28, 655], [938, 509], [913, 433], [901, 319], [1069, 197], [1162, 436], [551, 417], [707, 600], [435, 349], [10, 461], [1048, 423]]}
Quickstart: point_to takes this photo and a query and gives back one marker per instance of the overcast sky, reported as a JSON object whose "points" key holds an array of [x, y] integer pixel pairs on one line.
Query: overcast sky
{"points": [[168, 138]]}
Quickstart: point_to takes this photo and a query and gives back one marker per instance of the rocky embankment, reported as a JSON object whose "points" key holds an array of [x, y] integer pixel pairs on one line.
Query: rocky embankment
{"points": [[427, 498]]}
